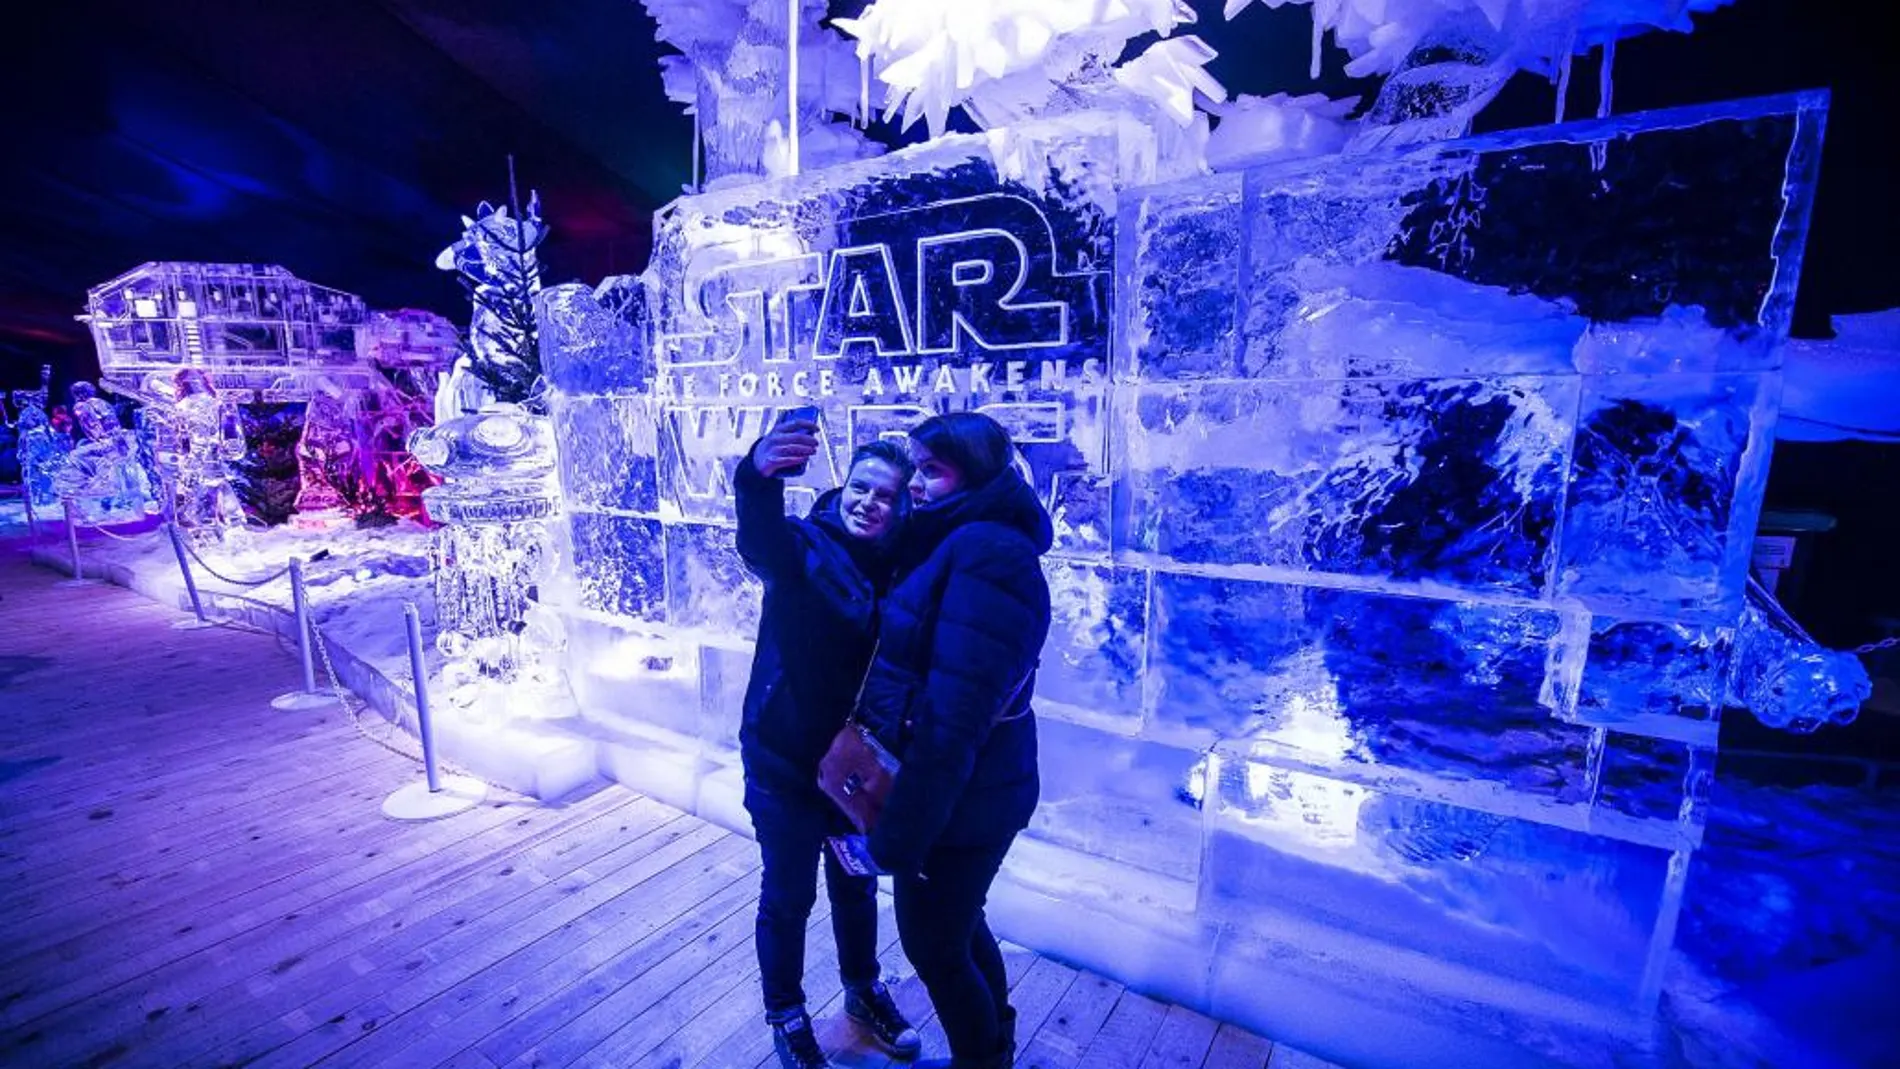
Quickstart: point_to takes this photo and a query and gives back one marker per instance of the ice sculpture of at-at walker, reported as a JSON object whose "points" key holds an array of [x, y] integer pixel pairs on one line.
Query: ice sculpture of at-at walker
{"points": [[1403, 497], [256, 334], [495, 455], [104, 478]]}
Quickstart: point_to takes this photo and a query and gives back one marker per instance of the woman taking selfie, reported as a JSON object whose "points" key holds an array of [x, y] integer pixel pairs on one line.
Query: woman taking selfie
{"points": [[949, 694], [822, 576]]}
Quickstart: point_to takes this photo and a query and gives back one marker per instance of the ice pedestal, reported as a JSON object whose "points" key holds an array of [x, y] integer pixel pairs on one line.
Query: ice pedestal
{"points": [[1402, 501]]}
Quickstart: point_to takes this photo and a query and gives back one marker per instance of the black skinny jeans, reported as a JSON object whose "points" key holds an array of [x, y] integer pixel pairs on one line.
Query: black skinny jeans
{"points": [[948, 941], [792, 827]]}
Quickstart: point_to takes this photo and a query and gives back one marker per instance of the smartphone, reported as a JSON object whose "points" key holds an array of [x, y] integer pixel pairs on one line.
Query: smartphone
{"points": [[853, 856], [797, 414]]}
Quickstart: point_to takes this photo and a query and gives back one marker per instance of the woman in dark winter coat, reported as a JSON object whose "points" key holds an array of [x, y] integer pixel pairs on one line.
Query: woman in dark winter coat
{"points": [[949, 693], [822, 575]]}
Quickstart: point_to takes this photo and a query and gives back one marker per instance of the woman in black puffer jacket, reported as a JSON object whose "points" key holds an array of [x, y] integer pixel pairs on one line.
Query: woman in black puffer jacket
{"points": [[822, 575], [949, 693]]}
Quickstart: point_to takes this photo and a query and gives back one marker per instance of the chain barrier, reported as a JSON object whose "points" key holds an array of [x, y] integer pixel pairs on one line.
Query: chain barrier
{"points": [[215, 574], [1876, 647], [403, 743], [118, 537]]}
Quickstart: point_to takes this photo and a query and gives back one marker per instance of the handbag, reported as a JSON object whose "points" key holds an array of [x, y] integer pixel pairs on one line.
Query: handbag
{"points": [[857, 772]]}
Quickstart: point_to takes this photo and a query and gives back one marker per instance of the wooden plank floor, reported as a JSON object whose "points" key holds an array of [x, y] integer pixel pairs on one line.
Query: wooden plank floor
{"points": [[189, 877]]}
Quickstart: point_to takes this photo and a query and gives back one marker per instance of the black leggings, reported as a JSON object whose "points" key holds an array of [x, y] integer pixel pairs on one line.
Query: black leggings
{"points": [[948, 941]]}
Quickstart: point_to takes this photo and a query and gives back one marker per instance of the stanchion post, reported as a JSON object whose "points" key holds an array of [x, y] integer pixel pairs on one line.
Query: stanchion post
{"points": [[439, 796], [424, 727], [72, 537], [184, 567], [301, 605]]}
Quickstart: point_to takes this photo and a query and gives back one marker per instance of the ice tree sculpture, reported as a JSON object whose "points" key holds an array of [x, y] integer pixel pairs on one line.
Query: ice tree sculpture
{"points": [[496, 462], [1007, 61], [41, 448], [495, 260], [199, 442], [104, 477], [1444, 60], [736, 77]]}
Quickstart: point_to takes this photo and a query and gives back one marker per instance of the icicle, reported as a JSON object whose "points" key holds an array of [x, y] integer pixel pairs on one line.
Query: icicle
{"points": [[1319, 44], [1606, 86], [697, 148], [864, 90], [1563, 85], [1599, 150], [791, 124]]}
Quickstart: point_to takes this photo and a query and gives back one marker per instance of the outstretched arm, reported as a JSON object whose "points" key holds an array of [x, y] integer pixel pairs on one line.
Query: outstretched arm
{"points": [[765, 540]]}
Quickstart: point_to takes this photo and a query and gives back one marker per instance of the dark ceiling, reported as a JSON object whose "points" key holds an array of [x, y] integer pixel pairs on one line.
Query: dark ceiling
{"points": [[341, 138]]}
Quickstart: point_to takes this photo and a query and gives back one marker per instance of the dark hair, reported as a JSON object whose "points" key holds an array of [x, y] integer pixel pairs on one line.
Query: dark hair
{"points": [[892, 453], [974, 444]]}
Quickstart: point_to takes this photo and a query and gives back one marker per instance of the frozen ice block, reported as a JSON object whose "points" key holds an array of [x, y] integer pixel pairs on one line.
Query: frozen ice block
{"points": [[609, 448], [1539, 905], [1366, 686], [620, 565], [1093, 664], [1665, 486], [1121, 799], [1658, 679], [708, 587], [1448, 484]]}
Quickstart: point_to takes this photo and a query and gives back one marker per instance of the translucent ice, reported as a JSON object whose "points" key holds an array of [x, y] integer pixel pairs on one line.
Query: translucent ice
{"points": [[1785, 678]]}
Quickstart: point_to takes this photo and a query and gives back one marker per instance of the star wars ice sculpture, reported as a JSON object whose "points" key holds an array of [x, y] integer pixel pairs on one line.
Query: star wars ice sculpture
{"points": [[1403, 507], [254, 334], [40, 447], [494, 549], [198, 441], [492, 554], [326, 457], [104, 477]]}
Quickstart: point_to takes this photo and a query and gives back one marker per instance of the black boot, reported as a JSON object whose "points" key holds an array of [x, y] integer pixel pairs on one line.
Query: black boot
{"points": [[877, 1014], [792, 1038], [1008, 1019]]}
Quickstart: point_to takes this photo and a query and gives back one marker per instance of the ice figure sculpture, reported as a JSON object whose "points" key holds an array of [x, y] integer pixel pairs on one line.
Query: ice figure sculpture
{"points": [[494, 549], [492, 554], [326, 460], [1404, 502], [197, 445], [104, 476], [41, 449]]}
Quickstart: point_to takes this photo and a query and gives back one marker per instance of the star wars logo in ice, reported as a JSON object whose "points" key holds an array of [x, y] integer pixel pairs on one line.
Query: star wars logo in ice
{"points": [[986, 287]]}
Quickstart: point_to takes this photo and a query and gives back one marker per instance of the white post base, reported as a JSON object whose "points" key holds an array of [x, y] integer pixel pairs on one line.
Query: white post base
{"points": [[301, 700], [418, 802]]}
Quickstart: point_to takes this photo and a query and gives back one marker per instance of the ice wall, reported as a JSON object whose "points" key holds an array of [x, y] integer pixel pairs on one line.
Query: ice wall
{"points": [[1403, 506]]}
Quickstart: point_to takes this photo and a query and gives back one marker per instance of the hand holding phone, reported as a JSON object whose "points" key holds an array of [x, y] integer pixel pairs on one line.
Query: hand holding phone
{"points": [[854, 855], [787, 449]]}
